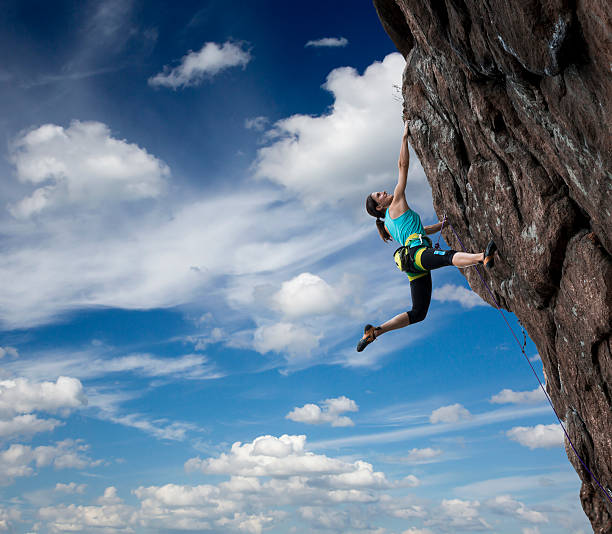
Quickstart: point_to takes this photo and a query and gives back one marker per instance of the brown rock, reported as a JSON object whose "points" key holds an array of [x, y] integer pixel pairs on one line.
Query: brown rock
{"points": [[508, 107]]}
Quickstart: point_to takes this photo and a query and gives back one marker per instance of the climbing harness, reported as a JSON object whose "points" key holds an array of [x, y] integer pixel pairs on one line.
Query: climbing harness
{"points": [[408, 260], [498, 307]]}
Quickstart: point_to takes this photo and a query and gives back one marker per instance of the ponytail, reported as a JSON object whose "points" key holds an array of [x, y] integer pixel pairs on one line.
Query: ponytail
{"points": [[372, 209]]}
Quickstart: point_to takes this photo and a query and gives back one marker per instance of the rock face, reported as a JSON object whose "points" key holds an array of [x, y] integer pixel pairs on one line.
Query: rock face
{"points": [[508, 106]]}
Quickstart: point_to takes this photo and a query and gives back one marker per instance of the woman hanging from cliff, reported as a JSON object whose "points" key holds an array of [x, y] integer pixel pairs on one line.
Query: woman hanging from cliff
{"points": [[416, 257]]}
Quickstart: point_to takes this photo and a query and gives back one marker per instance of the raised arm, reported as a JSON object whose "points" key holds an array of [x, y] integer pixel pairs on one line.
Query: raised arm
{"points": [[399, 204]]}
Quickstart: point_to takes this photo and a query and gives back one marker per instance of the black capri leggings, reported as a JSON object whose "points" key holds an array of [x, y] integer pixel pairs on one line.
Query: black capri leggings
{"points": [[420, 288]]}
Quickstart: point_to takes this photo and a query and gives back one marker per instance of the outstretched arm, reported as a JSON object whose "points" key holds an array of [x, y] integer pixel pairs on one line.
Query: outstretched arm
{"points": [[399, 203], [403, 163]]}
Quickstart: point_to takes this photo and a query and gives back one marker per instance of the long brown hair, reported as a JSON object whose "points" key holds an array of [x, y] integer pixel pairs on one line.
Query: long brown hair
{"points": [[372, 209]]}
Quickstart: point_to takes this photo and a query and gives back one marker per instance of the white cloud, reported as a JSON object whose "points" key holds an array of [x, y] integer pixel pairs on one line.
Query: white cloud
{"points": [[20, 396], [539, 436], [462, 295], [457, 514], [330, 413], [160, 428], [10, 351], [91, 364], [83, 166], [164, 257], [256, 123], [284, 457], [107, 517], [209, 61], [507, 396], [158, 254], [8, 517], [414, 530], [515, 484], [354, 147], [330, 42], [306, 294], [450, 414], [72, 487], [25, 425], [286, 337], [422, 456], [20, 460], [505, 504]]}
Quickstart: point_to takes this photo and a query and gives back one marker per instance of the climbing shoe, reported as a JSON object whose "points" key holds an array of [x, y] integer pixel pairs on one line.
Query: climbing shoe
{"points": [[369, 335], [489, 258]]}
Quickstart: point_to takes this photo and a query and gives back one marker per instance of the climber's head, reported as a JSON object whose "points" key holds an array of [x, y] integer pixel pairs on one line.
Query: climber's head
{"points": [[376, 205], [381, 200]]}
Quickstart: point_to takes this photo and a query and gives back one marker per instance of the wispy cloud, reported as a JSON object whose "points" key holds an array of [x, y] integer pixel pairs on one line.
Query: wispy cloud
{"points": [[477, 420], [91, 364], [515, 484], [327, 42], [209, 61], [459, 294]]}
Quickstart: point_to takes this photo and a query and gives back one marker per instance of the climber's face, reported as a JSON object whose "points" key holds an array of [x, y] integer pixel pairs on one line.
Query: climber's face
{"points": [[382, 199]]}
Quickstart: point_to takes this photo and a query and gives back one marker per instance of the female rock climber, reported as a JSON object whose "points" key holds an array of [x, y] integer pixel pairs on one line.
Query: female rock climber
{"points": [[395, 220]]}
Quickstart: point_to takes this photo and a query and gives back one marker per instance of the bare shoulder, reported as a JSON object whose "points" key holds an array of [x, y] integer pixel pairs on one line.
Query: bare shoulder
{"points": [[398, 207]]}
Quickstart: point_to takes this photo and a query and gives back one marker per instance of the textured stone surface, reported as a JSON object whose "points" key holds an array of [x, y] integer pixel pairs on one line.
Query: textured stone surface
{"points": [[508, 106]]}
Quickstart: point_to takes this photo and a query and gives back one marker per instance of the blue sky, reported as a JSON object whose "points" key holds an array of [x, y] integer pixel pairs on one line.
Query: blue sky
{"points": [[187, 267]]}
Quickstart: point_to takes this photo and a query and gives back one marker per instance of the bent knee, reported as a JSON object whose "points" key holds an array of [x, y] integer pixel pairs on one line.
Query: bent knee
{"points": [[416, 316]]}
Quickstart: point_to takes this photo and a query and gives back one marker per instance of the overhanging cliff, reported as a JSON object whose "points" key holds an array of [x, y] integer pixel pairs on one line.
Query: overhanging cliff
{"points": [[508, 106]]}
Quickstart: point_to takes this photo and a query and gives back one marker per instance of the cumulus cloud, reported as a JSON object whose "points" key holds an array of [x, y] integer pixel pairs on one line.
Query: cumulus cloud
{"points": [[72, 487], [286, 456], [508, 396], [327, 42], [306, 294], [21, 460], [422, 456], [26, 426], [505, 504], [286, 337], [539, 436], [209, 61], [354, 147], [450, 414], [82, 165], [330, 413], [20, 396], [269, 479], [107, 517], [459, 294], [457, 514], [8, 517]]}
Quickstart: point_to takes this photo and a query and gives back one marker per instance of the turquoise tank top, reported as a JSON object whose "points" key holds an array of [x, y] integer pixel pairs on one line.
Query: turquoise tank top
{"points": [[406, 224]]}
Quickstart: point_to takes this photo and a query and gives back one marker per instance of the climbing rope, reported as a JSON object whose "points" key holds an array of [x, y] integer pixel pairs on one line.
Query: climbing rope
{"points": [[522, 347]]}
